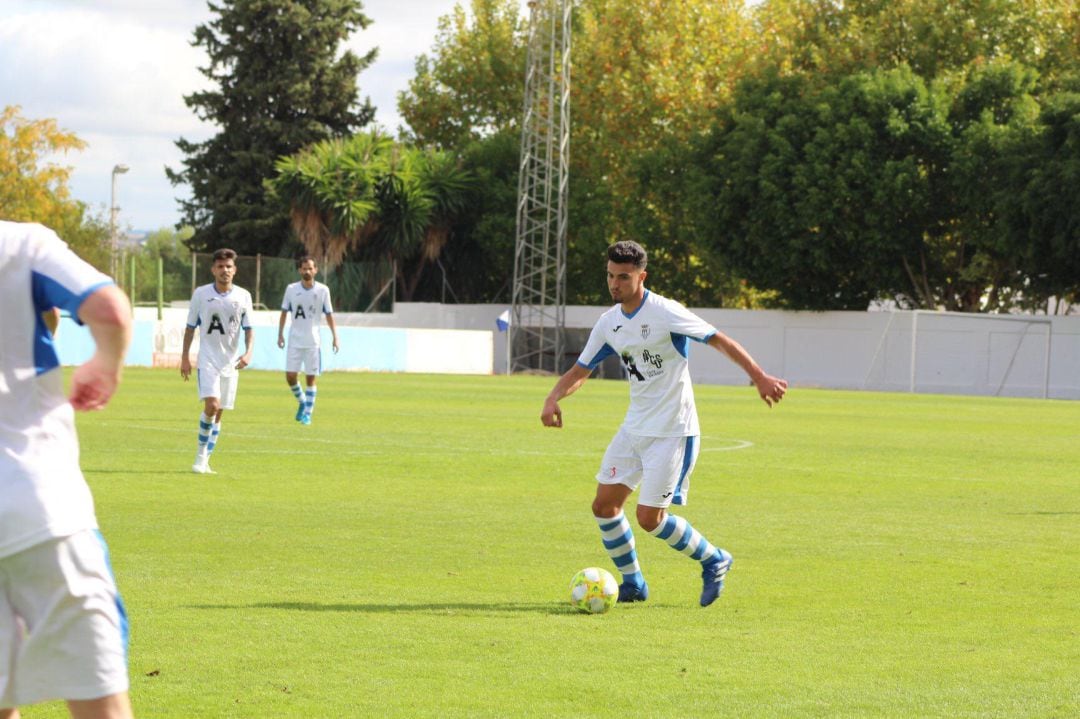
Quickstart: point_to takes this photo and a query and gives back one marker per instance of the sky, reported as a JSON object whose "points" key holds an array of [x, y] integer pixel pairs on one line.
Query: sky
{"points": [[115, 73]]}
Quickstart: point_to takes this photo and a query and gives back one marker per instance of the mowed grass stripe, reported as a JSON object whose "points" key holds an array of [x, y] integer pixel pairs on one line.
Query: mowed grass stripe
{"points": [[408, 555]]}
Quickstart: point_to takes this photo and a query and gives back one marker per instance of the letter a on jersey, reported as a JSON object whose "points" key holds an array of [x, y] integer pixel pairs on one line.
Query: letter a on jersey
{"points": [[215, 324], [299, 313]]}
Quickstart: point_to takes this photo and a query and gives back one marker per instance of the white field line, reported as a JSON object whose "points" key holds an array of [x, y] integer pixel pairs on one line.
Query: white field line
{"points": [[350, 448]]}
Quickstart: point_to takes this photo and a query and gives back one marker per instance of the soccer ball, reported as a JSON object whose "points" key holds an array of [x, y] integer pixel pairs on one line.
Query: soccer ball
{"points": [[593, 590]]}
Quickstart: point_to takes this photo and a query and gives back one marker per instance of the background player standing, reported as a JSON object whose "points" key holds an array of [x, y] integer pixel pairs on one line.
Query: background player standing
{"points": [[306, 302], [658, 443], [219, 310], [63, 628]]}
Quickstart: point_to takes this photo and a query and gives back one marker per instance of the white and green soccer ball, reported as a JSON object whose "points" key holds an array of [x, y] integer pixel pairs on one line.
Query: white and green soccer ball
{"points": [[593, 590]]}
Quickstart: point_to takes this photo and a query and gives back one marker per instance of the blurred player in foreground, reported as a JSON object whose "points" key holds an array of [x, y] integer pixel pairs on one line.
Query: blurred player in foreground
{"points": [[658, 443], [306, 302], [219, 310], [63, 629]]}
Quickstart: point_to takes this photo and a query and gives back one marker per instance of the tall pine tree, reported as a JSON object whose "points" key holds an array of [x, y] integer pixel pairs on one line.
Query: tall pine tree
{"points": [[282, 84]]}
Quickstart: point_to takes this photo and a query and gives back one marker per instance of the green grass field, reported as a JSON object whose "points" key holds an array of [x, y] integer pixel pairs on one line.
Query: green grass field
{"points": [[408, 555]]}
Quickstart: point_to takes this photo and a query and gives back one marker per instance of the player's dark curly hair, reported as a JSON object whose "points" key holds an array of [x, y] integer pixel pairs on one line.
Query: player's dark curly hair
{"points": [[305, 258], [224, 254], [625, 251]]}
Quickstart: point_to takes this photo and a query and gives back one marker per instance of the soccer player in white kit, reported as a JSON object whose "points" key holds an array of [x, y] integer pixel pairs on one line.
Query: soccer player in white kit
{"points": [[219, 311], [305, 302], [63, 629], [657, 445]]}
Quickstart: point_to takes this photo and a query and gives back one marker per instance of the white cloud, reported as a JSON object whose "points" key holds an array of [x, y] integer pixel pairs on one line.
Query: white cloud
{"points": [[94, 72], [118, 83], [115, 73]]}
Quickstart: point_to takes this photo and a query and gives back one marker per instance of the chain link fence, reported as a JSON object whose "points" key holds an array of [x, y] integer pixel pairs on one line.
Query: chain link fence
{"points": [[354, 286]]}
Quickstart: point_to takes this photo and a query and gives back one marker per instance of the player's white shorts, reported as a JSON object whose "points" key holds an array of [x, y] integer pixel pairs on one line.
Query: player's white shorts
{"points": [[660, 465], [304, 359], [214, 384], [63, 629]]}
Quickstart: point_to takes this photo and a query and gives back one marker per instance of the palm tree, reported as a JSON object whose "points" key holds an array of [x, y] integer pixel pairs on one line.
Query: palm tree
{"points": [[367, 197]]}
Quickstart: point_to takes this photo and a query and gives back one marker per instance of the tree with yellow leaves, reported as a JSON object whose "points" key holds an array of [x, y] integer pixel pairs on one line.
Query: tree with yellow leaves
{"points": [[32, 190]]}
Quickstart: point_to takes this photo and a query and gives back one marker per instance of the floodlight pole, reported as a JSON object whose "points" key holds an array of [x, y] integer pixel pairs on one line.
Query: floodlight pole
{"points": [[114, 242], [535, 337]]}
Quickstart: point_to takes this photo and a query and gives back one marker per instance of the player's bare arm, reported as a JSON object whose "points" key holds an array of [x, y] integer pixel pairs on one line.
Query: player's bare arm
{"points": [[185, 360], [770, 389], [333, 330], [281, 329], [108, 315], [569, 383], [249, 346]]}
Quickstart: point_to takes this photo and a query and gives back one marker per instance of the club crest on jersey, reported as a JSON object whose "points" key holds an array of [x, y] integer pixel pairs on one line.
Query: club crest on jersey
{"points": [[644, 332]]}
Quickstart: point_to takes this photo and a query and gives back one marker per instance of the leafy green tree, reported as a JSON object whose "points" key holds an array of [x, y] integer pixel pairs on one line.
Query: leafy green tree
{"points": [[33, 190], [647, 78], [645, 74], [477, 259], [864, 155], [648, 73], [684, 264], [933, 37], [87, 233], [883, 185], [995, 120], [960, 238], [1046, 216], [368, 197], [170, 246], [472, 83], [282, 83], [830, 196]]}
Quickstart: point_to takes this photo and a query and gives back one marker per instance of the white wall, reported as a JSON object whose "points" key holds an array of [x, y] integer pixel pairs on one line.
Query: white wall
{"points": [[389, 347], [954, 353]]}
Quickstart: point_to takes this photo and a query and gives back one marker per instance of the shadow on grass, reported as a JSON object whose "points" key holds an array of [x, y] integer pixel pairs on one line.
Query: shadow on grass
{"points": [[441, 608]]}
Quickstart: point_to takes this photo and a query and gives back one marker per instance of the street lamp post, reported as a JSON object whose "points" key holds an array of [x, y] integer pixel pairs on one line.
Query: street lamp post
{"points": [[114, 241]]}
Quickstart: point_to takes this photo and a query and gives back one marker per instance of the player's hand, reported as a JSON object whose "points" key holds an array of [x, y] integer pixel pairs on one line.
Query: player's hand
{"points": [[244, 361], [552, 414], [771, 389], [281, 342], [335, 346], [93, 385], [185, 368]]}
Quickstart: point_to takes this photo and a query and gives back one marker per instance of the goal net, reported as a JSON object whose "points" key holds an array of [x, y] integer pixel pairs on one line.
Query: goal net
{"points": [[961, 353]]}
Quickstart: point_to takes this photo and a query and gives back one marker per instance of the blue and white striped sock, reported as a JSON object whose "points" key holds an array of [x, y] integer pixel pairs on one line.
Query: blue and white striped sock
{"points": [[205, 426], [297, 392], [309, 400], [214, 432], [682, 537], [619, 543]]}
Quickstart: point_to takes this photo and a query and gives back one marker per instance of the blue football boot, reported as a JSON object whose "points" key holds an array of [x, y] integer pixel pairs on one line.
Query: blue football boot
{"points": [[630, 592], [712, 578]]}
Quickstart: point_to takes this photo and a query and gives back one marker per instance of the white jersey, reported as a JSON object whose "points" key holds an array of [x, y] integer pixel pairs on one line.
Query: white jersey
{"points": [[221, 319], [653, 345], [42, 491], [306, 308]]}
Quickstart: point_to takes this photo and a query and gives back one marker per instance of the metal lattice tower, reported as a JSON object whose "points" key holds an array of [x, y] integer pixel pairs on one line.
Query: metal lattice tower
{"points": [[538, 305]]}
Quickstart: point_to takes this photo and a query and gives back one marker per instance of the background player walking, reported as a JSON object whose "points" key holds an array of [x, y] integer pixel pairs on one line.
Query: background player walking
{"points": [[305, 302], [219, 311], [657, 445]]}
